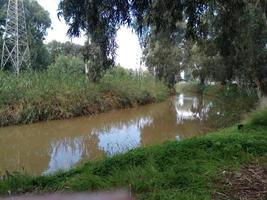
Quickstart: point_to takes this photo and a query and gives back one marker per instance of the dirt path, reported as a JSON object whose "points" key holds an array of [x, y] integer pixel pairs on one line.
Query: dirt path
{"points": [[250, 183]]}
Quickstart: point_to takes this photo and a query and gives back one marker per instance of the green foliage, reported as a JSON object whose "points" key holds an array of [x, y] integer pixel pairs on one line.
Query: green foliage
{"points": [[67, 65], [230, 36], [57, 49], [130, 87], [163, 57], [64, 92], [179, 170], [191, 87], [100, 20], [259, 118], [230, 43], [38, 21]]}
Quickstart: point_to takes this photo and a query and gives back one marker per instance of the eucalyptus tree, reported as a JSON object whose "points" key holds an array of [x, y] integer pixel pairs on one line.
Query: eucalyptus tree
{"points": [[236, 30], [38, 21], [240, 35], [100, 20]]}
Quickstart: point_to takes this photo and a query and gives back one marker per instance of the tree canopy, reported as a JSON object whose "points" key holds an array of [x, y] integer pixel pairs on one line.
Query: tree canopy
{"points": [[230, 34], [57, 49]]}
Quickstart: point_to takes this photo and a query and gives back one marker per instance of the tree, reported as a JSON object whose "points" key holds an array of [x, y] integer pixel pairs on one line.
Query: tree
{"points": [[251, 49], [67, 65], [100, 20], [56, 49], [230, 26], [163, 57], [38, 22], [240, 35]]}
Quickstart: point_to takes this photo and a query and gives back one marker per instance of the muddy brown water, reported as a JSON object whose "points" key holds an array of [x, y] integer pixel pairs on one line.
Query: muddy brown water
{"points": [[47, 147]]}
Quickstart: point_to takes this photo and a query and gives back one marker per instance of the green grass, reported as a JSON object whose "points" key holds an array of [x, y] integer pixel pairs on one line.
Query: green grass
{"points": [[54, 94], [174, 170], [259, 118]]}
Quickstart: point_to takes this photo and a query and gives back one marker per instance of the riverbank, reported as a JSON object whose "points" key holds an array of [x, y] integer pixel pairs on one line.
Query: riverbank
{"points": [[51, 95], [215, 90], [188, 169], [230, 104]]}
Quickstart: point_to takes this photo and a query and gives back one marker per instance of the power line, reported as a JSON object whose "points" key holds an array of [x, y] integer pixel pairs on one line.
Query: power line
{"points": [[15, 52]]}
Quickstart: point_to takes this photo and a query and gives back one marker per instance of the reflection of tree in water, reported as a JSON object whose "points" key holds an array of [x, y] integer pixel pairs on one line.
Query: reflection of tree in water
{"points": [[121, 137], [213, 113], [163, 127], [192, 108], [183, 117], [210, 114], [201, 108], [227, 111], [64, 154], [191, 113]]}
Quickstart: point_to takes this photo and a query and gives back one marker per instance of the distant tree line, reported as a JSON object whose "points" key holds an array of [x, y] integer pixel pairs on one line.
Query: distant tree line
{"points": [[216, 40], [57, 49]]}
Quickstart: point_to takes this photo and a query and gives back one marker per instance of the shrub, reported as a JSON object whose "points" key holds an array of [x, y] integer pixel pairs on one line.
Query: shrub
{"points": [[259, 118], [67, 65]]}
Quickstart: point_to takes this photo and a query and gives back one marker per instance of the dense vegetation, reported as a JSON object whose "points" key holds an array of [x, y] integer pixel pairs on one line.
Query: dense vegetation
{"points": [[174, 170], [57, 86], [64, 91], [222, 41], [57, 49], [212, 41]]}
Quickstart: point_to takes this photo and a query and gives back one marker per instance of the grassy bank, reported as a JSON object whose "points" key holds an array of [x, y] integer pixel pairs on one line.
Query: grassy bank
{"points": [[57, 94], [175, 170]]}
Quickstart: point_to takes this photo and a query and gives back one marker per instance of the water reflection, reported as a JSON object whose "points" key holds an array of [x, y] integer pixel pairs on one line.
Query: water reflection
{"points": [[50, 146], [120, 139], [64, 154], [191, 108]]}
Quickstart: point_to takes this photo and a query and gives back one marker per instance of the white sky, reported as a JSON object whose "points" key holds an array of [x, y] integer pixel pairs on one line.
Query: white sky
{"points": [[128, 53]]}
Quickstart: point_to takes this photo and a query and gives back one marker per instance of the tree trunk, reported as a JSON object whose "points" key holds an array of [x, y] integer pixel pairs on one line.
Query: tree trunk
{"points": [[261, 87], [202, 79]]}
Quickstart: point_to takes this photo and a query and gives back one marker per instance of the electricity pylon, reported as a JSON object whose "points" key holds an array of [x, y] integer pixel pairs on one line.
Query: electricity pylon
{"points": [[15, 52]]}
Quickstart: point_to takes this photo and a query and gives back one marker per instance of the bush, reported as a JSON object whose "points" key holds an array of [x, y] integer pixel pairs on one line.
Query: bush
{"points": [[133, 88], [259, 118], [67, 65]]}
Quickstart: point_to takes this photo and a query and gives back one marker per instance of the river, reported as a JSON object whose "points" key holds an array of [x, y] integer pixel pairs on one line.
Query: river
{"points": [[47, 147]]}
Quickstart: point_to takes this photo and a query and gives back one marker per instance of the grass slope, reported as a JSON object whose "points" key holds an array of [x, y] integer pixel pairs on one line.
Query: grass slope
{"points": [[53, 94], [174, 170]]}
